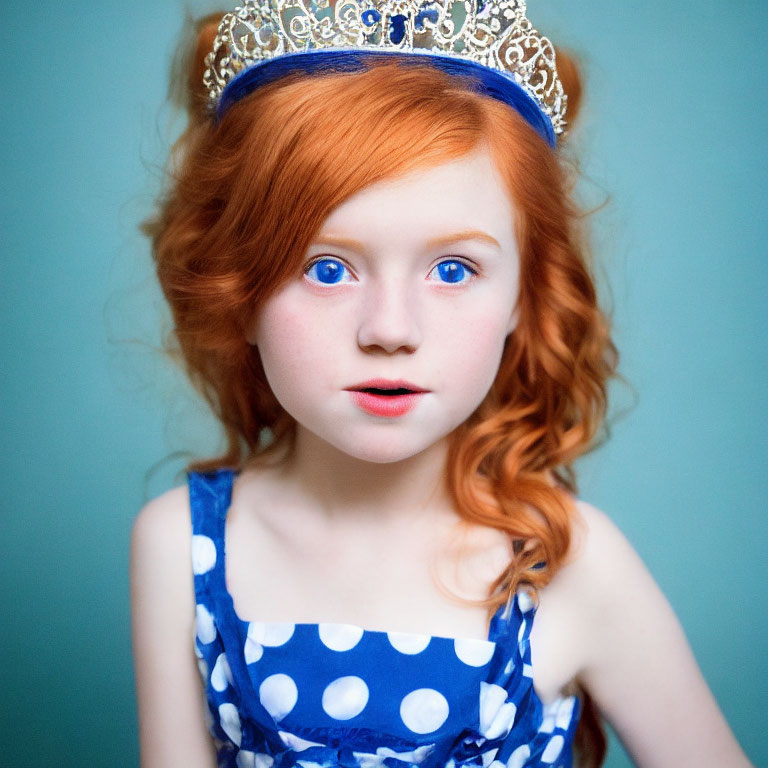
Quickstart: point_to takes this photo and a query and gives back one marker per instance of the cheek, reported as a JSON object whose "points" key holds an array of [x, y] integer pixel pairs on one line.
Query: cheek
{"points": [[294, 344], [282, 337], [476, 340]]}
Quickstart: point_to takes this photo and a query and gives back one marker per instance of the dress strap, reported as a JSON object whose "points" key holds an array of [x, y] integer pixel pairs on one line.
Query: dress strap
{"points": [[210, 494], [209, 499], [511, 630]]}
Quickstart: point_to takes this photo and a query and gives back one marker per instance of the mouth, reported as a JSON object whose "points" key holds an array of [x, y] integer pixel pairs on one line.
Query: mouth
{"points": [[384, 398], [386, 392], [387, 388]]}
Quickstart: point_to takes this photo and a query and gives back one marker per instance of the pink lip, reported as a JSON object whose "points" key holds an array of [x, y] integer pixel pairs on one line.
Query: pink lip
{"points": [[389, 406], [387, 384]]}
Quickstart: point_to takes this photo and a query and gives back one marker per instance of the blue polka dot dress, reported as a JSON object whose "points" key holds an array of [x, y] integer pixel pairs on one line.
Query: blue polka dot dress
{"points": [[324, 695]]}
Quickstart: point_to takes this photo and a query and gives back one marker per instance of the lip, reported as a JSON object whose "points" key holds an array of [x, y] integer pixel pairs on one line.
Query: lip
{"points": [[387, 384], [387, 406]]}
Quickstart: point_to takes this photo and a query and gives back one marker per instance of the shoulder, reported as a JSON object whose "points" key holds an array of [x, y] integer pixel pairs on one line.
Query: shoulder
{"points": [[598, 550], [628, 649], [627, 646], [599, 558], [163, 518], [161, 537], [168, 692], [604, 576], [588, 591], [601, 600], [162, 583]]}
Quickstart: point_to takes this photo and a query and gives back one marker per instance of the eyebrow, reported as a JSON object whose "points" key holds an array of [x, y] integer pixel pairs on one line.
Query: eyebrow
{"points": [[435, 242]]}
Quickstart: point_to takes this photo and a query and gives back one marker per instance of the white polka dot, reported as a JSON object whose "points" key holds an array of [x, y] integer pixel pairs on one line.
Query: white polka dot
{"points": [[565, 712], [527, 670], [221, 676], [496, 764], [424, 710], [474, 653], [345, 697], [550, 714], [247, 759], [491, 698], [198, 652], [553, 749], [408, 643], [253, 651], [496, 713], [367, 760], [206, 629], [416, 757], [510, 666], [230, 722], [202, 666], [339, 637], [203, 554], [278, 695], [488, 757], [519, 757], [271, 634], [296, 743], [502, 723], [521, 631], [525, 600]]}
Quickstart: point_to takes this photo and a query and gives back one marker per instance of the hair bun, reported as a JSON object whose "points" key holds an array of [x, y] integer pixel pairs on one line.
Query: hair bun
{"points": [[187, 89]]}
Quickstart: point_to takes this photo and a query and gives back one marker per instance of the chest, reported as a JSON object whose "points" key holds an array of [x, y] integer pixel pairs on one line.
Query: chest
{"points": [[402, 581]]}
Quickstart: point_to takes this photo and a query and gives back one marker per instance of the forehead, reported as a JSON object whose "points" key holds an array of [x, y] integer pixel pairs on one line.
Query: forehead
{"points": [[458, 195]]}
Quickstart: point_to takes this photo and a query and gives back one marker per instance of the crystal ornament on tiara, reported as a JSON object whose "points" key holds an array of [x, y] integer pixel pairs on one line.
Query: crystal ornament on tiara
{"points": [[491, 33]]}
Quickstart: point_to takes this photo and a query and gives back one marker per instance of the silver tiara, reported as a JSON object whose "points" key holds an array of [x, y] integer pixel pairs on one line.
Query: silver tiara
{"points": [[492, 33]]}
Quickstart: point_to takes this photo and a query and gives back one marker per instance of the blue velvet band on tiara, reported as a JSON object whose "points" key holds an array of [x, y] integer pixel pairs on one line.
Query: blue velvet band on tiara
{"points": [[490, 82]]}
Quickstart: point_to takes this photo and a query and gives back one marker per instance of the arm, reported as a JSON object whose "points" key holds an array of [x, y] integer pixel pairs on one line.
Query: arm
{"points": [[637, 663], [168, 687]]}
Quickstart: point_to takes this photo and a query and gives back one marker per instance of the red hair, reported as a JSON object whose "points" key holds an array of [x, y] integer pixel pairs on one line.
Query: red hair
{"points": [[248, 194]]}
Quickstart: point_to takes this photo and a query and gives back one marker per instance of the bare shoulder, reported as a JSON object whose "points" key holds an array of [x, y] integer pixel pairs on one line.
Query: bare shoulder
{"points": [[588, 591], [165, 516], [168, 691], [608, 587], [601, 556], [602, 566], [160, 547], [626, 646]]}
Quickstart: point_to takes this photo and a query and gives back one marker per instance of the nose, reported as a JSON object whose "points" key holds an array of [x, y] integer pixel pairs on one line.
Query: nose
{"points": [[389, 319]]}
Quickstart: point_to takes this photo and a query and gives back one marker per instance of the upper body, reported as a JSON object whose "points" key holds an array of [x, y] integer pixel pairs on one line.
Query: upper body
{"points": [[602, 620], [381, 272]]}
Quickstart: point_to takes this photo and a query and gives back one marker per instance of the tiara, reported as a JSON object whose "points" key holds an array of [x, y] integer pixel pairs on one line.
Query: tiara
{"points": [[492, 40]]}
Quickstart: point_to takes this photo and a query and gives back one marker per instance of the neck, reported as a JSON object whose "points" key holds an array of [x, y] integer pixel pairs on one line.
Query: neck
{"points": [[342, 487]]}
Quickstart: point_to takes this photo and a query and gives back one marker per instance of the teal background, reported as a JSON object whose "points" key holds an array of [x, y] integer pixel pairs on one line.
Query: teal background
{"points": [[673, 135]]}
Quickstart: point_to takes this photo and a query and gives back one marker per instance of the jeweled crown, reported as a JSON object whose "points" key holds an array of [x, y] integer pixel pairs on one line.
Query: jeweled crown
{"points": [[492, 33]]}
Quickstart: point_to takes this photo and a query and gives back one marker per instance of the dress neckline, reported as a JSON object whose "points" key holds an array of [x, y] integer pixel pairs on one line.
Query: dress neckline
{"points": [[502, 617]]}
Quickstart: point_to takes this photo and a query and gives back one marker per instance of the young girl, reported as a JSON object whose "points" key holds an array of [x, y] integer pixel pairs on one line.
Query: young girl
{"points": [[377, 282]]}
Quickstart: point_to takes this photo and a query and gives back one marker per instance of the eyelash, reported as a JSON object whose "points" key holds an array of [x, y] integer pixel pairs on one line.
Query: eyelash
{"points": [[473, 271]]}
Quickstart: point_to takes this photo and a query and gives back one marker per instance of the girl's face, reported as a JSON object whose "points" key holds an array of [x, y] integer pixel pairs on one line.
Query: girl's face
{"points": [[412, 283]]}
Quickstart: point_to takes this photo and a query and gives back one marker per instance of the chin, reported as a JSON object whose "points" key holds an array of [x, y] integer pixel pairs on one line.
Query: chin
{"points": [[379, 452]]}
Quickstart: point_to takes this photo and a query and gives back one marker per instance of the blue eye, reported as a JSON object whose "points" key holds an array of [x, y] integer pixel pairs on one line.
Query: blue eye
{"points": [[327, 271], [453, 272]]}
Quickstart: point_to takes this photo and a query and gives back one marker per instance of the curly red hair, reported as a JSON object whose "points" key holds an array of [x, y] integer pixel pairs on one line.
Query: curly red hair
{"points": [[248, 194]]}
